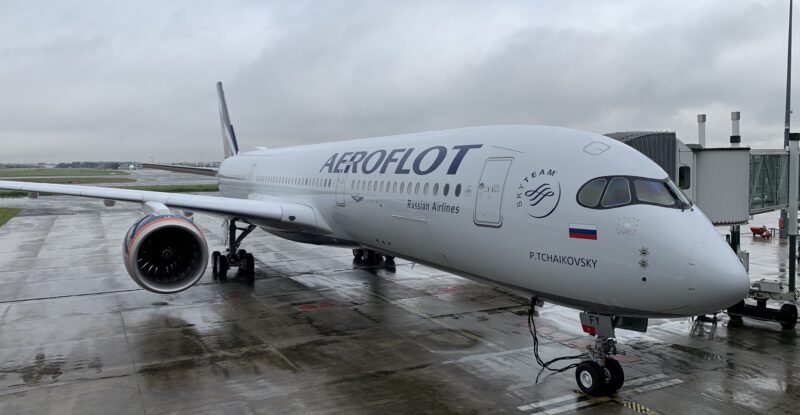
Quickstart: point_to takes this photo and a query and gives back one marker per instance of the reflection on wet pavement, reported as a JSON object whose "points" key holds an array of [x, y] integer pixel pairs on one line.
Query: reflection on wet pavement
{"points": [[317, 334]]}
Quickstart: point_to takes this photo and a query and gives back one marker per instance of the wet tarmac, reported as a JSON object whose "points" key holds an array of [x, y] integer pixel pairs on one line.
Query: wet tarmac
{"points": [[317, 334]]}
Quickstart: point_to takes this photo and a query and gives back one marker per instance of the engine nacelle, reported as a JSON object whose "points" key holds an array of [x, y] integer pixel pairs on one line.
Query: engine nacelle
{"points": [[165, 253]]}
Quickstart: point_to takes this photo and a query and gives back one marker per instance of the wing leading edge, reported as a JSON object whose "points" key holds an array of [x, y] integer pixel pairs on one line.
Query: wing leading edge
{"points": [[275, 214]]}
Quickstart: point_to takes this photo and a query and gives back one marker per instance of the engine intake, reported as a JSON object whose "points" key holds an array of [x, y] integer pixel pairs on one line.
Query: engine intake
{"points": [[165, 253]]}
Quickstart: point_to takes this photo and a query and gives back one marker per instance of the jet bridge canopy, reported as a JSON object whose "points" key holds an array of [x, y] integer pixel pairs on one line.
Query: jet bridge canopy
{"points": [[769, 180], [714, 178]]}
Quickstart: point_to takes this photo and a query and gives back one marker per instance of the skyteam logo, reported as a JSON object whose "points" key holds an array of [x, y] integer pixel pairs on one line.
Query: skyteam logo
{"points": [[539, 193]]}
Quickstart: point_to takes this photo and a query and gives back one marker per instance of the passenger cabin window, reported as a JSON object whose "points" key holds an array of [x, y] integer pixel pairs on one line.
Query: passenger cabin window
{"points": [[618, 193]]}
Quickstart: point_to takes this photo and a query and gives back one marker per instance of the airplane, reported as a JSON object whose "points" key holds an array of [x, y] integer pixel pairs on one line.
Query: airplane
{"points": [[557, 214]]}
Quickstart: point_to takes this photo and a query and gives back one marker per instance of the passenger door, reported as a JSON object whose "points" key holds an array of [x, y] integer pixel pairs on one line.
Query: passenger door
{"points": [[489, 195], [341, 184], [251, 179]]}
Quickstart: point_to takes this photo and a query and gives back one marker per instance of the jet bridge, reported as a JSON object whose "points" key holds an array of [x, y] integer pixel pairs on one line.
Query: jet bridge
{"points": [[711, 177], [714, 178], [720, 173], [769, 180]]}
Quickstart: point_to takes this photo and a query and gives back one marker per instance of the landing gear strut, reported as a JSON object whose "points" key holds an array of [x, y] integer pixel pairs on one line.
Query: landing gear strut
{"points": [[234, 257]]}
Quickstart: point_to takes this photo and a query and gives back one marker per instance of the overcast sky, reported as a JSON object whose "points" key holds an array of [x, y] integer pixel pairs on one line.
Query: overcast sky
{"points": [[104, 80]]}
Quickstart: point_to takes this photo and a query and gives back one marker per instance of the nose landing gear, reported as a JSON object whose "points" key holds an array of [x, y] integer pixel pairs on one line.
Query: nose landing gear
{"points": [[601, 374]]}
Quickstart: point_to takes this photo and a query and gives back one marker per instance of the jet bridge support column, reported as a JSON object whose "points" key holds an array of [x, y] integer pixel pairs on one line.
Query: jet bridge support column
{"points": [[794, 176], [736, 139]]}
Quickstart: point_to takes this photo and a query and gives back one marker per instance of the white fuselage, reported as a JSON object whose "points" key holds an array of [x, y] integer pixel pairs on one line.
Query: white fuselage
{"points": [[499, 204]]}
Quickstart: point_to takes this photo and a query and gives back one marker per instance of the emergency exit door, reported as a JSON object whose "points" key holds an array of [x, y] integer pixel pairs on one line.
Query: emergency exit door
{"points": [[489, 197]]}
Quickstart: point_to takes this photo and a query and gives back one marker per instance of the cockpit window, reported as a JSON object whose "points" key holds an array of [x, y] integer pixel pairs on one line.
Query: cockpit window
{"points": [[651, 191], [590, 193], [684, 201], [618, 193]]}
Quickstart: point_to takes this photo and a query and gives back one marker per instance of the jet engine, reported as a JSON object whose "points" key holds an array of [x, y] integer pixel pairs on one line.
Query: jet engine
{"points": [[165, 253]]}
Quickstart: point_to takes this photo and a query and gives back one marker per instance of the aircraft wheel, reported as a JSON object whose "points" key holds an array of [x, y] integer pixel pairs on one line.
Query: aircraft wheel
{"points": [[215, 264], [358, 254], [591, 378], [222, 271], [241, 254], [250, 266], [788, 315], [371, 256], [389, 260], [615, 374]]}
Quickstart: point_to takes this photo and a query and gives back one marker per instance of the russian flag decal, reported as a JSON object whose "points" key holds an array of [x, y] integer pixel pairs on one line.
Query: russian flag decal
{"points": [[583, 231]]}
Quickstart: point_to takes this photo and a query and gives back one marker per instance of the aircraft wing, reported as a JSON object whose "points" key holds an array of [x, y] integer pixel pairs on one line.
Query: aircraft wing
{"points": [[276, 214], [203, 171]]}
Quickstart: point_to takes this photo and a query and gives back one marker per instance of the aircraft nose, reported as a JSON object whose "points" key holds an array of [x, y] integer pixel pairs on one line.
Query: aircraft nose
{"points": [[717, 279]]}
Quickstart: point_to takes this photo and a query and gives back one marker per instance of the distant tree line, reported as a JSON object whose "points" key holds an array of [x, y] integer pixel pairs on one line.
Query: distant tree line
{"points": [[113, 165], [19, 166]]}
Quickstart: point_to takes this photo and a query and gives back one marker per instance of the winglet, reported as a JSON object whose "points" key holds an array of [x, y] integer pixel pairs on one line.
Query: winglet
{"points": [[229, 143]]}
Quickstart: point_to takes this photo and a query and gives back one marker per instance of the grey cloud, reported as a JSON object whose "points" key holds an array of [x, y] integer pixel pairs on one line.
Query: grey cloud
{"points": [[111, 81]]}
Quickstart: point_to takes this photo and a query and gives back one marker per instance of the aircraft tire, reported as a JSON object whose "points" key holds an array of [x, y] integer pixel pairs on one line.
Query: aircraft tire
{"points": [[372, 257], [591, 378], [222, 273], [215, 264], [616, 375], [358, 254], [788, 315], [389, 260], [250, 266]]}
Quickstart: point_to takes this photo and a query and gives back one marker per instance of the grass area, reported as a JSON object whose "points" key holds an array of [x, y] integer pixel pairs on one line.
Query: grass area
{"points": [[60, 172], [79, 180], [179, 188], [12, 193], [6, 214], [168, 188]]}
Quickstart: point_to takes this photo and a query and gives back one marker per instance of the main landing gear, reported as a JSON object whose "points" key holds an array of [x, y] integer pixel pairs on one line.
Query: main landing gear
{"points": [[234, 257], [371, 257]]}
